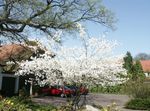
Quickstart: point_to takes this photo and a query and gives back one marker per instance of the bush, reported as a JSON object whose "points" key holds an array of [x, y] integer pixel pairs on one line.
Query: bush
{"points": [[22, 104], [138, 89], [11, 104], [138, 104], [107, 89]]}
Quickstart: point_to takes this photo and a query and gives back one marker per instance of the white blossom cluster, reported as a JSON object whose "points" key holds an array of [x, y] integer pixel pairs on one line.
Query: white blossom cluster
{"points": [[92, 63], [10, 62], [42, 68], [81, 30]]}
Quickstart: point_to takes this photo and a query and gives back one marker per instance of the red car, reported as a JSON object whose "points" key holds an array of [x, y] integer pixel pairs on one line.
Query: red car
{"points": [[58, 91]]}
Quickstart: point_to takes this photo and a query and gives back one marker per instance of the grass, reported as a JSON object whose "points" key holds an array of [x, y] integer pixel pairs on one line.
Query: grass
{"points": [[138, 104]]}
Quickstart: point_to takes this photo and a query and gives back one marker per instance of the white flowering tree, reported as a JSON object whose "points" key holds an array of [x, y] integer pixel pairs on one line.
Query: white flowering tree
{"points": [[92, 62]]}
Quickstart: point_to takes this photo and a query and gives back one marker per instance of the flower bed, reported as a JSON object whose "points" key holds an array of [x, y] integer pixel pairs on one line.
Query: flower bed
{"points": [[22, 104]]}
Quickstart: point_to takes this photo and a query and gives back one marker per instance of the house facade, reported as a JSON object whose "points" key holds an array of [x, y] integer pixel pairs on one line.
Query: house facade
{"points": [[10, 55], [9, 82], [146, 67]]}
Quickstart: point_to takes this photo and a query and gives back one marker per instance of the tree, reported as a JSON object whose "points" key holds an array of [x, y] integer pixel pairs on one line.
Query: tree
{"points": [[142, 56], [17, 17], [90, 65], [128, 62], [133, 68], [138, 71]]}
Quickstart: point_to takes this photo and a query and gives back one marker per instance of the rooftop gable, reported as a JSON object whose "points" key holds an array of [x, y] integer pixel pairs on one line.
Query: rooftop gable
{"points": [[145, 65]]}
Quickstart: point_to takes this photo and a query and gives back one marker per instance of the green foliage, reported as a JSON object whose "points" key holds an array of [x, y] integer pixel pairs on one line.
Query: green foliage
{"points": [[31, 43], [107, 89], [22, 104], [10, 104], [46, 16], [128, 62], [138, 104], [134, 69], [137, 89], [67, 107], [37, 107], [138, 71]]}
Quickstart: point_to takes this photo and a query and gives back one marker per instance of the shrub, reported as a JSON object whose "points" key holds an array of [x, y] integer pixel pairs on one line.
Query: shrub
{"points": [[107, 89], [138, 89], [22, 104], [138, 104], [10, 104], [37, 107]]}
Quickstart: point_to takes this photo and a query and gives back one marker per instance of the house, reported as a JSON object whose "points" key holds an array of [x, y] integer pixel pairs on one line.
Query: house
{"points": [[146, 67], [10, 83]]}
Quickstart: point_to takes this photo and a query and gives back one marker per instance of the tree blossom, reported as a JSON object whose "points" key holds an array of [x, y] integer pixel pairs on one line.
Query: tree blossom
{"points": [[42, 69], [92, 63], [81, 30]]}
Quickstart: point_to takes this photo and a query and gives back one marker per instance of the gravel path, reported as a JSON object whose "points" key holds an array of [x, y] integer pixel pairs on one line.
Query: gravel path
{"points": [[98, 99]]}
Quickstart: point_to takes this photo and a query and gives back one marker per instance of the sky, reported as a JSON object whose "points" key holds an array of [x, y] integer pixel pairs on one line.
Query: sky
{"points": [[133, 26]]}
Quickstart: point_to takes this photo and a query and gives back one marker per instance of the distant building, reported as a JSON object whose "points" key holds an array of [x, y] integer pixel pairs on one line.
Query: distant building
{"points": [[146, 67]]}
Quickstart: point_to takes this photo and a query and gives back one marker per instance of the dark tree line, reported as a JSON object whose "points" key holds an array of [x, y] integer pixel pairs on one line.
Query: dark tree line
{"points": [[142, 56]]}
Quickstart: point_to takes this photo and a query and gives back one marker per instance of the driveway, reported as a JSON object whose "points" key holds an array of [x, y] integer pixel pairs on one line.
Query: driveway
{"points": [[98, 99]]}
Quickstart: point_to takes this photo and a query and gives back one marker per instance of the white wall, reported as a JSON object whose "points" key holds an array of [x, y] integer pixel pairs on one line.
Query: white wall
{"points": [[147, 74]]}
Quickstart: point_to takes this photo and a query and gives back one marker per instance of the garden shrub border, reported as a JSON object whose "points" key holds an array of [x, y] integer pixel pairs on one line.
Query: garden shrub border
{"points": [[138, 104]]}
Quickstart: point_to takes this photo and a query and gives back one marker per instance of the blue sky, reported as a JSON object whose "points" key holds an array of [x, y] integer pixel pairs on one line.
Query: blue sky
{"points": [[133, 26]]}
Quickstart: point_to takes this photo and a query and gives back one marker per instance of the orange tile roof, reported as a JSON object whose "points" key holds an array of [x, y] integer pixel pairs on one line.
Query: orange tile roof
{"points": [[145, 65], [10, 50]]}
